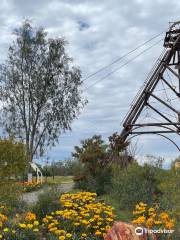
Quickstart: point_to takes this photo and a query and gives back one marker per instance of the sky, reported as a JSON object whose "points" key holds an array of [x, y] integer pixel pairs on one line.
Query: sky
{"points": [[99, 32]]}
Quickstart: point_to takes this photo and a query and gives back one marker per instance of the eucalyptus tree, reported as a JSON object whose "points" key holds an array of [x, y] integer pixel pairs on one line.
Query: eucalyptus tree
{"points": [[40, 89]]}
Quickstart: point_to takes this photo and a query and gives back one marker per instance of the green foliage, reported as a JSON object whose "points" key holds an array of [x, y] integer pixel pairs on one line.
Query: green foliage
{"points": [[117, 150], [170, 199], [13, 158], [96, 159], [57, 180], [117, 143], [47, 202], [92, 152], [11, 196], [40, 89], [96, 172], [137, 183], [121, 214], [176, 163], [67, 167]]}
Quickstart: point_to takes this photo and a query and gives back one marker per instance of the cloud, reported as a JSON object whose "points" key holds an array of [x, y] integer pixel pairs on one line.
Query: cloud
{"points": [[98, 32]]}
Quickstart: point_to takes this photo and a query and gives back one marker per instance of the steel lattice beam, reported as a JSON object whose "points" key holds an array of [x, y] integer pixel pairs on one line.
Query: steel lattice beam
{"points": [[168, 62]]}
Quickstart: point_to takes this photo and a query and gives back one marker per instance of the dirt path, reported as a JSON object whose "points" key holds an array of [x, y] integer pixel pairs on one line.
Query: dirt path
{"points": [[32, 197]]}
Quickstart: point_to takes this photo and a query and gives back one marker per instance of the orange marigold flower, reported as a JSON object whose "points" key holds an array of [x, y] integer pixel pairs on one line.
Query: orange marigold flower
{"points": [[30, 216]]}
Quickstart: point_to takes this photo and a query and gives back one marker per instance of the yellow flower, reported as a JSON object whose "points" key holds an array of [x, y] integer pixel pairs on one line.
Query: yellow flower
{"points": [[84, 235], [149, 222], [99, 223], [143, 204], [85, 222], [61, 238], [76, 224], [68, 235], [170, 224], [151, 209], [22, 225], [108, 227], [57, 232], [80, 209], [36, 223], [5, 230], [3, 218], [164, 216], [97, 232], [153, 216], [53, 229], [35, 230], [62, 231], [157, 222], [45, 220], [29, 225], [104, 235], [139, 220], [139, 212]]}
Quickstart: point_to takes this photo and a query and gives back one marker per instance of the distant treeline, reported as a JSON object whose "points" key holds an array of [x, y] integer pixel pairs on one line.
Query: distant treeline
{"points": [[60, 168]]}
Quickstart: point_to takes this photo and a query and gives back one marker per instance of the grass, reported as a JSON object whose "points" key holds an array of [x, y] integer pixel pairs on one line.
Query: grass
{"points": [[59, 179]]}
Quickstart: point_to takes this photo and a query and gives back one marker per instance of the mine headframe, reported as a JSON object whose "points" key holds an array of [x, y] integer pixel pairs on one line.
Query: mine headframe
{"points": [[160, 94]]}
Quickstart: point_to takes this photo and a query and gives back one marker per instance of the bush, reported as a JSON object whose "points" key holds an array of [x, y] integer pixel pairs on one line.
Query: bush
{"points": [[170, 199], [11, 196], [47, 202], [99, 183], [136, 183], [94, 161], [171, 192]]}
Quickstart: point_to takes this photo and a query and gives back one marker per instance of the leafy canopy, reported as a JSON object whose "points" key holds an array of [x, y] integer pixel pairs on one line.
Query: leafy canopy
{"points": [[13, 159], [96, 159], [40, 89]]}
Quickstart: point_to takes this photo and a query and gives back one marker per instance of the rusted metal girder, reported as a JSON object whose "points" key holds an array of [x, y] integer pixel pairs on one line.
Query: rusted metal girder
{"points": [[169, 61]]}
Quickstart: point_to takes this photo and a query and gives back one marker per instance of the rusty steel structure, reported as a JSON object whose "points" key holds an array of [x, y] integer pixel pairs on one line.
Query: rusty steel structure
{"points": [[160, 94]]}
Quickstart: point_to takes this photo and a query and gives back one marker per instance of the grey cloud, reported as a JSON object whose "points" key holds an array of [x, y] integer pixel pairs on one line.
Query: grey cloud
{"points": [[98, 32]]}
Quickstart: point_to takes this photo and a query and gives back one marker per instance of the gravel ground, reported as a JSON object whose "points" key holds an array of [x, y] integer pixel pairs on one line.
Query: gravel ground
{"points": [[32, 197]]}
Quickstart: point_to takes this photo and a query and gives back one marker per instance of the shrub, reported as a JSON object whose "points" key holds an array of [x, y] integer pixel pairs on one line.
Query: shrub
{"points": [[11, 196], [170, 199], [95, 169], [47, 202], [136, 183], [99, 183], [169, 185]]}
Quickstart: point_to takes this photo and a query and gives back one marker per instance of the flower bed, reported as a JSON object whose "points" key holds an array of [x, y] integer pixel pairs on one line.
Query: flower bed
{"points": [[152, 217], [80, 216], [29, 186]]}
